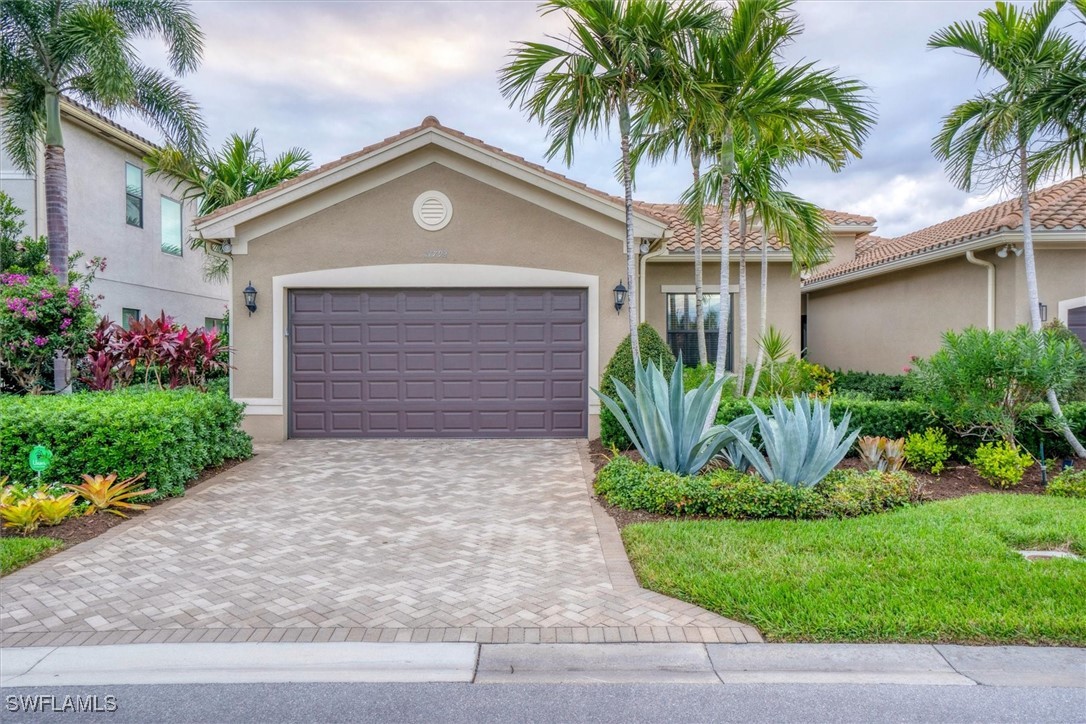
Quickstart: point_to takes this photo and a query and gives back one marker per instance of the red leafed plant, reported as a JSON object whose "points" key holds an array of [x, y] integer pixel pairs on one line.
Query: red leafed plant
{"points": [[171, 354]]}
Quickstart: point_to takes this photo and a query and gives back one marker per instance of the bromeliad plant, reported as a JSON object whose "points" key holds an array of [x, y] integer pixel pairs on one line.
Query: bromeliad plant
{"points": [[671, 428], [106, 494], [802, 445], [881, 453]]}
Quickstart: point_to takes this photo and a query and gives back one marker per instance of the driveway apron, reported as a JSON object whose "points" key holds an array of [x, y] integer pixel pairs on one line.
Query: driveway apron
{"points": [[377, 540]]}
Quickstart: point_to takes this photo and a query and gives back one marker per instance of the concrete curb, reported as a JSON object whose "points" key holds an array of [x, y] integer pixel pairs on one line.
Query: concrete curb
{"points": [[710, 664]]}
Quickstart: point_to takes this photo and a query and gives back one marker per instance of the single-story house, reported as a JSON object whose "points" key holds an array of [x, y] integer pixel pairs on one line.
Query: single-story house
{"points": [[434, 285], [893, 298]]}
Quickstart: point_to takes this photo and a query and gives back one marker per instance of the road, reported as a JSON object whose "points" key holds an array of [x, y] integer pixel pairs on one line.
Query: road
{"points": [[625, 703]]}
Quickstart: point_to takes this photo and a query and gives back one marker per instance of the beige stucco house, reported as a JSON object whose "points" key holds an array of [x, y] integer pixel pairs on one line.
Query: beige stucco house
{"points": [[434, 285], [893, 298], [138, 222]]}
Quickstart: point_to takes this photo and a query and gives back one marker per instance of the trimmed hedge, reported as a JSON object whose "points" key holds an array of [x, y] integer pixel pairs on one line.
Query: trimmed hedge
{"points": [[172, 435], [654, 349], [726, 493], [875, 385], [896, 419]]}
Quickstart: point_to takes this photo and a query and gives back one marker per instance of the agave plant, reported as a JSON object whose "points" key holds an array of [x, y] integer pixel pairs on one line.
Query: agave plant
{"points": [[671, 428], [733, 451], [802, 445]]}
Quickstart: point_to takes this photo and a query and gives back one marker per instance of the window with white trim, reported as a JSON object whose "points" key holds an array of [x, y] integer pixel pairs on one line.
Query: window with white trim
{"points": [[682, 330], [171, 226]]}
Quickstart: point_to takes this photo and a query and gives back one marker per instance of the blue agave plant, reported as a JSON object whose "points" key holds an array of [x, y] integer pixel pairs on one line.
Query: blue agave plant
{"points": [[671, 428]]}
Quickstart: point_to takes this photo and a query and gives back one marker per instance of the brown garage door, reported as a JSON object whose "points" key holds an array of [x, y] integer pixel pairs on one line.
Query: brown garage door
{"points": [[448, 363]]}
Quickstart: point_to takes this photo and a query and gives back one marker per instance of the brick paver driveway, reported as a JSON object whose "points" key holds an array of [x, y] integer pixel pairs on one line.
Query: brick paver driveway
{"points": [[361, 540]]}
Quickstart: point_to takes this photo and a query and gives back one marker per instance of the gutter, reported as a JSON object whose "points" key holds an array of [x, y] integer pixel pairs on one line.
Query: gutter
{"points": [[641, 278], [972, 259]]}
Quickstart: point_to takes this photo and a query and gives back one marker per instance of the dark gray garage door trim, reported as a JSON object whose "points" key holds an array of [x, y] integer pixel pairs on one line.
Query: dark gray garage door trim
{"points": [[480, 362]]}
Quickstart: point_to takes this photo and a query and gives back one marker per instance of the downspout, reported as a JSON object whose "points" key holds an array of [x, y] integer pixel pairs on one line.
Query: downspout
{"points": [[972, 259], [641, 277]]}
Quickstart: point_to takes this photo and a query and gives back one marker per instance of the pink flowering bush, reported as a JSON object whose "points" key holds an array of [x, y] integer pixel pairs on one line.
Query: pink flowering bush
{"points": [[40, 317], [157, 350]]}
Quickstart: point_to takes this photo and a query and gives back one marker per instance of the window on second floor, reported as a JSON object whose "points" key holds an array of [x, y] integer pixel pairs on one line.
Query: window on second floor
{"points": [[133, 195], [171, 227]]}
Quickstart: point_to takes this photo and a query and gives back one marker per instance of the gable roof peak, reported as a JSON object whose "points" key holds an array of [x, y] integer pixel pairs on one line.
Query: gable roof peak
{"points": [[430, 122]]}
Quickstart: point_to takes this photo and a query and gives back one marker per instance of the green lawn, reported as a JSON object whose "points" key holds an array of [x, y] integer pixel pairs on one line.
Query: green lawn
{"points": [[17, 552], [944, 571]]}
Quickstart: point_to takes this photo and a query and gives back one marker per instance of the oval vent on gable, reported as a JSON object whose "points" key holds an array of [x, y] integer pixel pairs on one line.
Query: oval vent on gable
{"points": [[433, 210]]}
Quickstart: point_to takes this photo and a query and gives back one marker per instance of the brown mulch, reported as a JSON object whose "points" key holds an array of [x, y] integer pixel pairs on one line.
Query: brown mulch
{"points": [[77, 530], [956, 481]]}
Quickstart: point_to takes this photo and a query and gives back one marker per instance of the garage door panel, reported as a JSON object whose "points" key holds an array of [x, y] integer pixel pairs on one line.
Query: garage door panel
{"points": [[453, 363]]}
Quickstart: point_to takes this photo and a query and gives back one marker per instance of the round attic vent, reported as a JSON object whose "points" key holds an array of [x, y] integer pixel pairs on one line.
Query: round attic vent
{"points": [[433, 210]]}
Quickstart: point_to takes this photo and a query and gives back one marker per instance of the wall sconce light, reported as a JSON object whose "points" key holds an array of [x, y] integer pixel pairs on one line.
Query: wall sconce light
{"points": [[620, 296], [226, 247], [250, 298], [1043, 309]]}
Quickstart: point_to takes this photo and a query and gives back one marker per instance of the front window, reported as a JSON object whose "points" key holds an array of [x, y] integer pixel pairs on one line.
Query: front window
{"points": [[682, 331], [129, 315], [133, 195], [171, 227], [213, 323]]}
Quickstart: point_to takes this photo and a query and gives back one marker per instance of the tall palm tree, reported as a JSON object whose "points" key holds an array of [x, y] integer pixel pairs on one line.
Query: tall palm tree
{"points": [[1019, 129], [218, 178], [84, 48], [601, 72], [756, 95]]}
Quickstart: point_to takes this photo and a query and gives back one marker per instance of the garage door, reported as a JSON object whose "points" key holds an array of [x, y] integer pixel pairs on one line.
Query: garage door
{"points": [[1076, 322], [448, 363]]}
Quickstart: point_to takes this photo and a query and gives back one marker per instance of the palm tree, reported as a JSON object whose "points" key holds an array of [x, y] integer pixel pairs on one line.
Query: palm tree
{"points": [[755, 96], [84, 48], [613, 57], [218, 178], [1020, 129]]}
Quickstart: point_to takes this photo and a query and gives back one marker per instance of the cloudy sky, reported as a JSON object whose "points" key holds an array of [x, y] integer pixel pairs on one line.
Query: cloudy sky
{"points": [[336, 76]]}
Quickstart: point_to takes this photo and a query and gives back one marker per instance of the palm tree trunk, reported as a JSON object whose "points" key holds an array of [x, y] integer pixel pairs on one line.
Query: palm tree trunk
{"points": [[761, 313], [56, 214], [741, 365], [699, 306], [631, 256], [725, 282], [1034, 296]]}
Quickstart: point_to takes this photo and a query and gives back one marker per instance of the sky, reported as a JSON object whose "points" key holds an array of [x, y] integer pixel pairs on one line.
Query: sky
{"points": [[334, 77]]}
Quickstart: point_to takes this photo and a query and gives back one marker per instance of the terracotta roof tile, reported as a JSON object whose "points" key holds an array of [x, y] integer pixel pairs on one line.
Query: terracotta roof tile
{"points": [[428, 122], [682, 231], [1061, 206], [65, 100]]}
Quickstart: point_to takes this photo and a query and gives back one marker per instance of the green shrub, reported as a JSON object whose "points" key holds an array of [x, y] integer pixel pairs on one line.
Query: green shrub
{"points": [[1037, 424], [621, 366], [928, 450], [873, 385], [172, 435], [725, 493], [872, 417], [1001, 464], [1068, 484]]}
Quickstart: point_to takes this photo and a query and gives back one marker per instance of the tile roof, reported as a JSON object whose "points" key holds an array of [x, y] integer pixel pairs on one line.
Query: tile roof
{"points": [[428, 122], [867, 242], [66, 101], [1061, 206], [682, 231]]}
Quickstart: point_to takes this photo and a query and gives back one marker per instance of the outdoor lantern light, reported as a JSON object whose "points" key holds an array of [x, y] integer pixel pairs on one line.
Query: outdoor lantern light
{"points": [[250, 298], [1043, 309], [620, 296]]}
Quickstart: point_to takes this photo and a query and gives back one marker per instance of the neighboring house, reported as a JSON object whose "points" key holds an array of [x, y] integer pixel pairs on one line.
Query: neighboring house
{"points": [[434, 285], [136, 222], [894, 298]]}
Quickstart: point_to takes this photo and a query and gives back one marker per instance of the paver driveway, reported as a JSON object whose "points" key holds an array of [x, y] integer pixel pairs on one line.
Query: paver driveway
{"points": [[361, 540]]}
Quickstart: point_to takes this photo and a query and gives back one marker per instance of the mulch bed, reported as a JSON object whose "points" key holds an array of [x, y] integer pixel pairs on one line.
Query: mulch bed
{"points": [[77, 530], [956, 481]]}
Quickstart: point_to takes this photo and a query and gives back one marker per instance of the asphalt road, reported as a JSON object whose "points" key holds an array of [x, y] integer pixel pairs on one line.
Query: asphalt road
{"points": [[434, 703]]}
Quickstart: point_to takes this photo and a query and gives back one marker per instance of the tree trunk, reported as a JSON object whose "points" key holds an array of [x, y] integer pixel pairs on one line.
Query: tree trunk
{"points": [[725, 281], [761, 313], [56, 215], [631, 252], [699, 306], [1033, 296], [741, 364]]}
